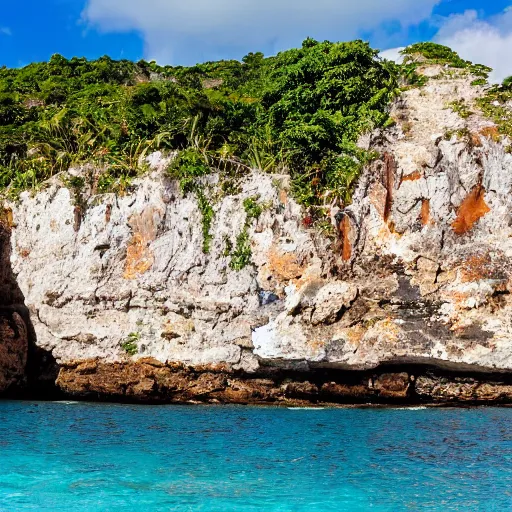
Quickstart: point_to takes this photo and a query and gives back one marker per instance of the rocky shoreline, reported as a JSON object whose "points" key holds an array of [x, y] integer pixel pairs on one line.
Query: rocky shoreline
{"points": [[148, 381]]}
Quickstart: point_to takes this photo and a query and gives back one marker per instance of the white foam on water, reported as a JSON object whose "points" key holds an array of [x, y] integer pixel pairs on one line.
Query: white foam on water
{"points": [[415, 408], [306, 408]]}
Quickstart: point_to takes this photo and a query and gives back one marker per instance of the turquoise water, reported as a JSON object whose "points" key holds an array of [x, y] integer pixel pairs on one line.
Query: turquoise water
{"points": [[95, 457]]}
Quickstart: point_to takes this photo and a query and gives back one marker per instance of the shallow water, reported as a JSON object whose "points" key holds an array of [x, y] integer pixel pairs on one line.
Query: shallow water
{"points": [[89, 457]]}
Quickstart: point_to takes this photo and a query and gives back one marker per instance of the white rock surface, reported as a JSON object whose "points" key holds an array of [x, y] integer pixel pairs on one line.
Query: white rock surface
{"points": [[424, 283]]}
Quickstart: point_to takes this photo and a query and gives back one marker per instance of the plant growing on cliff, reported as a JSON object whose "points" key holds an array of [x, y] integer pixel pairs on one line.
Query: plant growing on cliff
{"points": [[241, 256], [495, 106], [130, 345], [323, 97], [207, 215], [252, 209], [187, 167], [411, 77], [460, 107], [420, 54], [434, 53], [300, 112]]}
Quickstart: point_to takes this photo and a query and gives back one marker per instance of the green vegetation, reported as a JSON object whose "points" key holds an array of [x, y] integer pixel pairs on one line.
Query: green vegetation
{"points": [[301, 111], [460, 107], [207, 213], [411, 76], [507, 83], [130, 344], [241, 256], [420, 54], [189, 165], [228, 246], [433, 53], [252, 208], [460, 134], [495, 105]]}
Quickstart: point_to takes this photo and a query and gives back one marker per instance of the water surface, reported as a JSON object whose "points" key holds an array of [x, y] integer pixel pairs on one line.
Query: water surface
{"points": [[95, 457]]}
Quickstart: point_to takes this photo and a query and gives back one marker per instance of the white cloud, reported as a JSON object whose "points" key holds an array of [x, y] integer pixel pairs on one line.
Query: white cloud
{"points": [[5, 31], [483, 42], [184, 31], [393, 54]]}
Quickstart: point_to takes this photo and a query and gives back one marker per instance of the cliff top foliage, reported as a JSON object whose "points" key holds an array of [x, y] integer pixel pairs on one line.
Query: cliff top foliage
{"points": [[299, 112], [433, 53]]}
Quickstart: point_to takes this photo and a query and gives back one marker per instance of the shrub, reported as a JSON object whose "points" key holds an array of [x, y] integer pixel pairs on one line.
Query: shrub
{"points": [[507, 83], [241, 256], [207, 214], [460, 107], [130, 345], [434, 52], [301, 112], [252, 208]]}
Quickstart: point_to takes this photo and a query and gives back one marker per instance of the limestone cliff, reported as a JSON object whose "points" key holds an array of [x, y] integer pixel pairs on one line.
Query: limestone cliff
{"points": [[409, 300]]}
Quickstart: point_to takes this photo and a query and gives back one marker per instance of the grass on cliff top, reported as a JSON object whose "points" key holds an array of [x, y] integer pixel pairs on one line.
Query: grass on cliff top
{"points": [[433, 53]]}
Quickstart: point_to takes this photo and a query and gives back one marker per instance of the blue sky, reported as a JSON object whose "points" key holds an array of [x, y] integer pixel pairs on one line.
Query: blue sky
{"points": [[185, 32]]}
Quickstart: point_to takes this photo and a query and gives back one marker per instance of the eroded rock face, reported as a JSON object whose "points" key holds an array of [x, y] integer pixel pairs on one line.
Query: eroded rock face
{"points": [[420, 274], [13, 349], [148, 380], [463, 389], [135, 270], [13, 330]]}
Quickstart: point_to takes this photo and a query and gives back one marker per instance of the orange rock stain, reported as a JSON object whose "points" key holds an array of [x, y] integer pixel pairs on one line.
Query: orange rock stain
{"points": [[470, 211]]}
